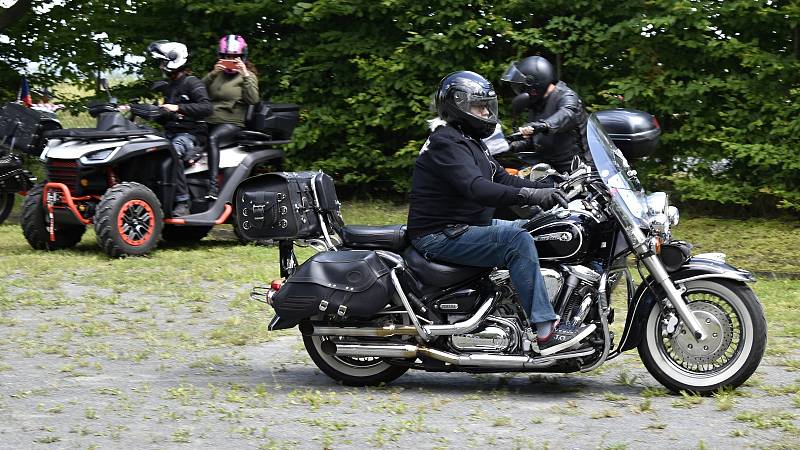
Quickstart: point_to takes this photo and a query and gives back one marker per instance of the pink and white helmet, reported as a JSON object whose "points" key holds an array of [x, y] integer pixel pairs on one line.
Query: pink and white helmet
{"points": [[232, 45]]}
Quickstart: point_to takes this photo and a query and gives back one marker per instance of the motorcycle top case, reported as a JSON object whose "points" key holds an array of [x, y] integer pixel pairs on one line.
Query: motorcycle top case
{"points": [[285, 205], [635, 132], [345, 284]]}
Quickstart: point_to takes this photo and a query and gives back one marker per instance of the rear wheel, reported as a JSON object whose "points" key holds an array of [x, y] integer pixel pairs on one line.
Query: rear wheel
{"points": [[736, 329], [35, 225], [6, 205], [184, 234], [349, 370], [128, 220]]}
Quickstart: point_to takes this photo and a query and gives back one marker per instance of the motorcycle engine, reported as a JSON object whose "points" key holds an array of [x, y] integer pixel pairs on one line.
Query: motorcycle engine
{"points": [[499, 335]]}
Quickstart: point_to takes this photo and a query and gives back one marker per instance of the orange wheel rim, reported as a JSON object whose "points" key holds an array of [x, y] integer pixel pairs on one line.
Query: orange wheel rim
{"points": [[136, 222]]}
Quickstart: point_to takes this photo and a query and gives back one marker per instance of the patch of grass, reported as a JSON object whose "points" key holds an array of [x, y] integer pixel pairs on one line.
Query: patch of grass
{"points": [[612, 397], [625, 378], [502, 421], [725, 399], [313, 398], [769, 419], [687, 400], [650, 392], [605, 414]]}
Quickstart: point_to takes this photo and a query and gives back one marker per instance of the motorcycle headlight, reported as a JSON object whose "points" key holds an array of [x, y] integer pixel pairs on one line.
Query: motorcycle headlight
{"points": [[97, 155]]}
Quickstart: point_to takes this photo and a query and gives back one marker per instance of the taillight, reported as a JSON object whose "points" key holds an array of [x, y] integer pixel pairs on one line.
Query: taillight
{"points": [[274, 287]]}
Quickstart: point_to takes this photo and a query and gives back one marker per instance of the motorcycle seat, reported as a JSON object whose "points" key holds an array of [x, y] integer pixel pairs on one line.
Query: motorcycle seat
{"points": [[249, 139], [439, 274], [366, 237]]}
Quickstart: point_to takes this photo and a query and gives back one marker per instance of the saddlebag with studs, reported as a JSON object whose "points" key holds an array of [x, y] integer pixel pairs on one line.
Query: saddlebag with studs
{"points": [[284, 205], [341, 284]]}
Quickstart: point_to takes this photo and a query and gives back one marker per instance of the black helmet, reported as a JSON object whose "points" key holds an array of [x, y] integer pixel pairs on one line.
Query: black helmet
{"points": [[533, 75], [458, 97]]}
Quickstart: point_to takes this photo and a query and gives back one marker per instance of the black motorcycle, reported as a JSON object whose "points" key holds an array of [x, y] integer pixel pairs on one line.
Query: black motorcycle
{"points": [[370, 307], [21, 129]]}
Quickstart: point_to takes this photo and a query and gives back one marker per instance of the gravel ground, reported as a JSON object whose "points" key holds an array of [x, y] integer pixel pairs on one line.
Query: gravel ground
{"points": [[104, 369]]}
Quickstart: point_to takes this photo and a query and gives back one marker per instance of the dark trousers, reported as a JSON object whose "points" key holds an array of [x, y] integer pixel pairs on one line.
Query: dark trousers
{"points": [[218, 133], [184, 143]]}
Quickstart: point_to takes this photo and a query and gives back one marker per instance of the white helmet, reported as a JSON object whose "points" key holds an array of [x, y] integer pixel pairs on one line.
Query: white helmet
{"points": [[172, 55]]}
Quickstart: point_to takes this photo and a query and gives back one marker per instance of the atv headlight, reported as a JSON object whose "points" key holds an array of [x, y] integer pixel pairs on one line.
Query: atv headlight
{"points": [[97, 155]]}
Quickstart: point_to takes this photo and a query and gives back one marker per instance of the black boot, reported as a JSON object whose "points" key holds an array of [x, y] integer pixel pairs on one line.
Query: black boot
{"points": [[181, 209]]}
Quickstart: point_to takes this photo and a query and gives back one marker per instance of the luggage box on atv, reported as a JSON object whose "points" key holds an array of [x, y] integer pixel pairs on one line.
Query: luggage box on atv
{"points": [[634, 132], [22, 128], [285, 205], [274, 119]]}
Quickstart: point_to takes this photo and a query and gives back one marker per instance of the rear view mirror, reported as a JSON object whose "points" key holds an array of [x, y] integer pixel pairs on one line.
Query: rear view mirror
{"points": [[519, 103]]}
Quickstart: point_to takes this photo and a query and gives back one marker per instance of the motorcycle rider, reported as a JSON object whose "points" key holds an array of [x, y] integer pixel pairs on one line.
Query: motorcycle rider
{"points": [[187, 102], [231, 90], [455, 186], [556, 128]]}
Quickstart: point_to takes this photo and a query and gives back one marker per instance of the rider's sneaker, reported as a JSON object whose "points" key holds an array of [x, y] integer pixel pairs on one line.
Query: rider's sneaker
{"points": [[564, 336], [181, 209], [213, 192]]}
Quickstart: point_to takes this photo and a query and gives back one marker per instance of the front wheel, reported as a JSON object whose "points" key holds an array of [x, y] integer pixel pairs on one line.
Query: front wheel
{"points": [[128, 220], [351, 371], [36, 227], [736, 329]]}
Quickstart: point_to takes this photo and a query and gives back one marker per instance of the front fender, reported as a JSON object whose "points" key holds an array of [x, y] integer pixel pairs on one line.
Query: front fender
{"points": [[703, 266]]}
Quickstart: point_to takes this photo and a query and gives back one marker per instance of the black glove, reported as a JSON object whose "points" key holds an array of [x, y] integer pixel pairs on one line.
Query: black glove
{"points": [[519, 146], [538, 127], [546, 198]]}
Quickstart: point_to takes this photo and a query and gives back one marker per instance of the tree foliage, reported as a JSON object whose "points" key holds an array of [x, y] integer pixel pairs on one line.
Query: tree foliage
{"points": [[721, 76]]}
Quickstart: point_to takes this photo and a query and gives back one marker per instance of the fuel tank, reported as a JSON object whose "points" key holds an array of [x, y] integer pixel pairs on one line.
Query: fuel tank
{"points": [[567, 237]]}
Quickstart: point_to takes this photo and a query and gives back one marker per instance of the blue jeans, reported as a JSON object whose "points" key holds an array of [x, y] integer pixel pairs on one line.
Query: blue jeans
{"points": [[502, 244], [183, 143]]}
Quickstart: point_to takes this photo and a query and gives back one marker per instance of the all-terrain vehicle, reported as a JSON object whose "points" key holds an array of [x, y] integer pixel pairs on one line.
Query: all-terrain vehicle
{"points": [[21, 130], [119, 178]]}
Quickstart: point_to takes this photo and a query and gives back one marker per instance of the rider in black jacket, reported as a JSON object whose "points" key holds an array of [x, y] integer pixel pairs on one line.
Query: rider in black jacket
{"points": [[454, 189], [556, 130], [187, 102]]}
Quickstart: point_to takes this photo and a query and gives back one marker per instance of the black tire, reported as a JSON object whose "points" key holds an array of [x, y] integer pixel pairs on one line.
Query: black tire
{"points": [[184, 234], [736, 344], [128, 220], [6, 205], [34, 223], [352, 371]]}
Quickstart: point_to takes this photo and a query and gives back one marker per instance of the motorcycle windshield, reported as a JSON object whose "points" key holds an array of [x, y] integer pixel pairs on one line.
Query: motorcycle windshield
{"points": [[628, 197]]}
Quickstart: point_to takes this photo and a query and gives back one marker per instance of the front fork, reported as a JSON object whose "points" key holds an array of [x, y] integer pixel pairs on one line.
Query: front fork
{"points": [[674, 295]]}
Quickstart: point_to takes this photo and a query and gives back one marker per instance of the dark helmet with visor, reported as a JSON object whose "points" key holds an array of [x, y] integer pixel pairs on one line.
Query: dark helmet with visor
{"points": [[532, 76], [468, 100]]}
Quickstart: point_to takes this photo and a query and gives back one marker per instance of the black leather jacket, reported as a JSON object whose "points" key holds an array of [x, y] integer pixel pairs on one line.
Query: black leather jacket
{"points": [[563, 113], [190, 94]]}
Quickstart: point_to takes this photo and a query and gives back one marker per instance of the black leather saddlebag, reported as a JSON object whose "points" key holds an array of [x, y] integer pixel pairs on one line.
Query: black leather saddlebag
{"points": [[22, 128], [342, 284], [285, 205]]}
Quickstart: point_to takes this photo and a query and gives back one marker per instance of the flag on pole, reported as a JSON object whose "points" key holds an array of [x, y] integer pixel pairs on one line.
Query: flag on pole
{"points": [[25, 93]]}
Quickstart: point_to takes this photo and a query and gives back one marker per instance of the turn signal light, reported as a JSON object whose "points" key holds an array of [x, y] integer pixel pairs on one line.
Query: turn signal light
{"points": [[276, 284], [84, 182]]}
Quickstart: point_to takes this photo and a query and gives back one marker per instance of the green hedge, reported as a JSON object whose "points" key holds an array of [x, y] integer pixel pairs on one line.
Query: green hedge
{"points": [[722, 77]]}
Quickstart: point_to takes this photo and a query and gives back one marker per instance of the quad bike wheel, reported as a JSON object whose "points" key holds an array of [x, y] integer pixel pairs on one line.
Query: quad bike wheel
{"points": [[128, 220], [6, 205], [184, 234], [34, 222]]}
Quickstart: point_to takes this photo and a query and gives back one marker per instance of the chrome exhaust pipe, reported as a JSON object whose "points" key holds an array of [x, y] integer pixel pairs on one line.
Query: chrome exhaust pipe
{"points": [[378, 350], [468, 360], [464, 326], [308, 329]]}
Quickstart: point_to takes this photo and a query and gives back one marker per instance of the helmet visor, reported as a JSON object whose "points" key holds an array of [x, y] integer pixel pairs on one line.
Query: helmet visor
{"points": [[483, 107], [514, 78]]}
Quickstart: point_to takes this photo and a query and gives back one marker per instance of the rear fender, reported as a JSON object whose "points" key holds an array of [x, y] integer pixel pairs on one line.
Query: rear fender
{"points": [[704, 266]]}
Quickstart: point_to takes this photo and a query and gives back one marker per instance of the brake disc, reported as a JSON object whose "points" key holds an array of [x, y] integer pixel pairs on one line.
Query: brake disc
{"points": [[719, 331]]}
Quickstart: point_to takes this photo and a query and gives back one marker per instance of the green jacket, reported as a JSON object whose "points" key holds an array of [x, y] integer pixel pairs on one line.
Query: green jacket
{"points": [[230, 96]]}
